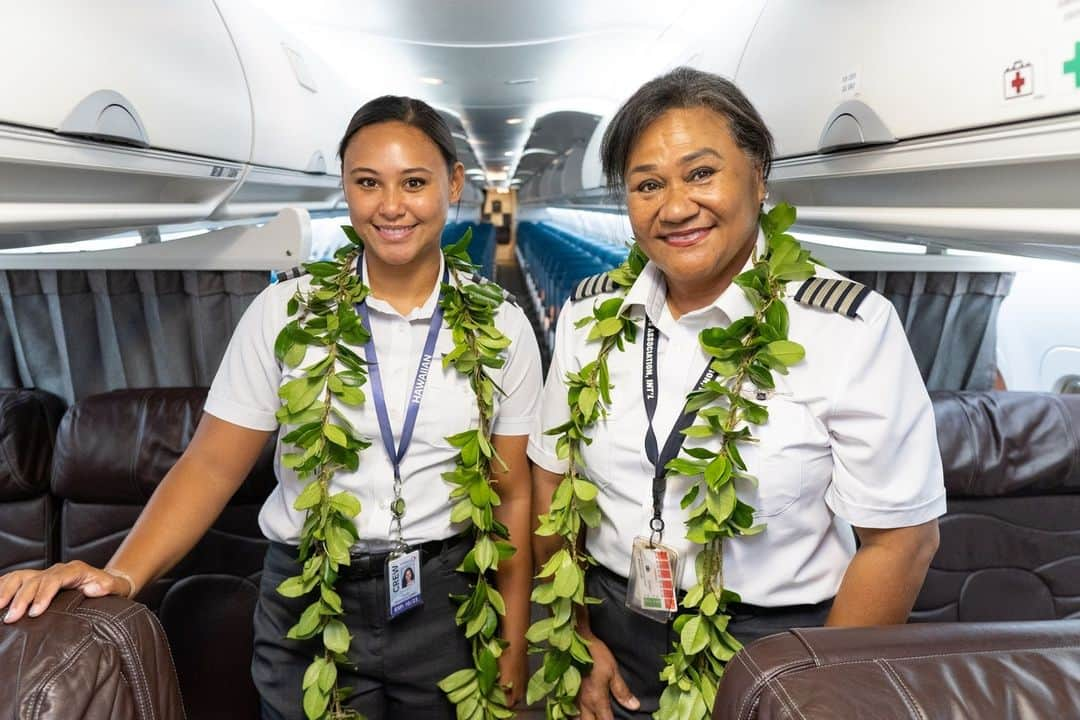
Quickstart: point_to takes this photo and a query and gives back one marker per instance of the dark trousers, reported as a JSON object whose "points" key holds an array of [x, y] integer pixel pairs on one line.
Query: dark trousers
{"points": [[397, 663], [639, 644]]}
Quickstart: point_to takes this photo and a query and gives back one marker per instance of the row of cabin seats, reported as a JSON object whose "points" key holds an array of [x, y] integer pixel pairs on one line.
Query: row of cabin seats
{"points": [[1010, 550], [71, 489], [554, 261], [482, 246]]}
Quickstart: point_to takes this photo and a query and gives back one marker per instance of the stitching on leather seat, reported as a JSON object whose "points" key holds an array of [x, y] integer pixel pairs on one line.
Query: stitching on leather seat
{"points": [[760, 679], [902, 689], [797, 632], [793, 708], [142, 684], [52, 677], [959, 653]]}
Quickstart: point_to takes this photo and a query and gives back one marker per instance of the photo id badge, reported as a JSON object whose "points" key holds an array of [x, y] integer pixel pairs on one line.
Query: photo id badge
{"points": [[403, 583], [650, 589]]}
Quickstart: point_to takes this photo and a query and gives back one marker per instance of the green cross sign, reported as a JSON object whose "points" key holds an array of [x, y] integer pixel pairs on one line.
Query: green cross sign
{"points": [[1073, 66]]}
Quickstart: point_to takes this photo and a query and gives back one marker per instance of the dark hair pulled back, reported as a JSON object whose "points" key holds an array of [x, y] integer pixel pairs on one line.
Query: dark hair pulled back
{"points": [[682, 88], [414, 113]]}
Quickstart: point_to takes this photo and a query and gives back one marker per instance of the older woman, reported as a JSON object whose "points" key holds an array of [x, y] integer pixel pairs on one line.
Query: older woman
{"points": [[843, 438]]}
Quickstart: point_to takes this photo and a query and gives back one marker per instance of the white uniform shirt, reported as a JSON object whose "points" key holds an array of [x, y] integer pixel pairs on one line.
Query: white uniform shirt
{"points": [[850, 439], [244, 392]]}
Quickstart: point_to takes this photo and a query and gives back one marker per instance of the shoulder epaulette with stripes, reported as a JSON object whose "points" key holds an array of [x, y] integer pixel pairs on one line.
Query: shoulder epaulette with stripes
{"points": [[833, 294], [508, 296], [290, 274], [593, 285]]}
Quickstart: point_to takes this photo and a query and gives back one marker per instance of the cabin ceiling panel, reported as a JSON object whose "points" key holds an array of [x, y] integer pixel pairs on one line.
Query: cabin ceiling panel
{"points": [[498, 61]]}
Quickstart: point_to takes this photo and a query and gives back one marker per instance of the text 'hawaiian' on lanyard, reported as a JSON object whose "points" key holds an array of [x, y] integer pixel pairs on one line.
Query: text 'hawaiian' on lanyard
{"points": [[650, 390], [397, 454]]}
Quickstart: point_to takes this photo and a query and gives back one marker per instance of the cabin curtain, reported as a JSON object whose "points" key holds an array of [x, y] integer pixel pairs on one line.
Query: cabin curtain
{"points": [[81, 332], [951, 322]]}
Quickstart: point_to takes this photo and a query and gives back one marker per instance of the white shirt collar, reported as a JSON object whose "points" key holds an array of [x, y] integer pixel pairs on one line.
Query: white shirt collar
{"points": [[423, 312], [650, 292]]}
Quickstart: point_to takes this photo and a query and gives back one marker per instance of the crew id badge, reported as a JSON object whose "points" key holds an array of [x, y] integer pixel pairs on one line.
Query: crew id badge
{"points": [[650, 589], [403, 583]]}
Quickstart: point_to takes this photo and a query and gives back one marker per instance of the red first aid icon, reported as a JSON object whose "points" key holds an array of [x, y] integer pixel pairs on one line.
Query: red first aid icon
{"points": [[1019, 80]]}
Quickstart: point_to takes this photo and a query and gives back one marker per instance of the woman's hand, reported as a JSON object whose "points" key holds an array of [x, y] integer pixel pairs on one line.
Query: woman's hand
{"points": [[602, 683], [514, 674], [35, 589]]}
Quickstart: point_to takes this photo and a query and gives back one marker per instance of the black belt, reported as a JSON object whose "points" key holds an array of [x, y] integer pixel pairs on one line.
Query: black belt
{"points": [[373, 565], [737, 610]]}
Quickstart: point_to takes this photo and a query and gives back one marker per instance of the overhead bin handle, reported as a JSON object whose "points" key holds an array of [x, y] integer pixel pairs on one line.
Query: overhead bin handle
{"points": [[108, 116], [316, 164], [853, 124]]}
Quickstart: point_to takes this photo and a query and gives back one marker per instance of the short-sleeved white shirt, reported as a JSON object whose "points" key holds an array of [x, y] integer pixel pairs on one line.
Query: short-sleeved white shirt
{"points": [[850, 439], [244, 392]]}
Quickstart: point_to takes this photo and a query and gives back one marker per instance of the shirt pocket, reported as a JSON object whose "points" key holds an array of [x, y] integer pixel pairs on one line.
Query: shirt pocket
{"points": [[448, 407], [778, 458]]}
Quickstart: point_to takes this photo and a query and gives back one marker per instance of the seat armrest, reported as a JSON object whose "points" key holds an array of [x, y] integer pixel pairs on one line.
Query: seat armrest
{"points": [[941, 671]]}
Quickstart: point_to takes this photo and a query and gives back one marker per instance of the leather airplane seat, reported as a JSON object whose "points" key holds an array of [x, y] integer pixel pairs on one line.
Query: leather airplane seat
{"points": [[28, 421], [1010, 541]]}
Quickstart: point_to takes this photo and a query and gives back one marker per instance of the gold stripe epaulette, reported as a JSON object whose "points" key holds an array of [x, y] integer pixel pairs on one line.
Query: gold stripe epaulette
{"points": [[593, 285], [833, 294]]}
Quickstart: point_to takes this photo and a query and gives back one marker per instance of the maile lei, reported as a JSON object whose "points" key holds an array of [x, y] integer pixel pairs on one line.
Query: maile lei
{"points": [[747, 351], [325, 318]]}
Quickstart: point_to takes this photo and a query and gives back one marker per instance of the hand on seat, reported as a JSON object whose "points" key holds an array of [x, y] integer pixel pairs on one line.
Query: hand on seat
{"points": [[602, 683], [33, 590]]}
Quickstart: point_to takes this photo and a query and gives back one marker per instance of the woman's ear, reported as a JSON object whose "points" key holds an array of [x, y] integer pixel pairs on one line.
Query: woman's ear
{"points": [[457, 182]]}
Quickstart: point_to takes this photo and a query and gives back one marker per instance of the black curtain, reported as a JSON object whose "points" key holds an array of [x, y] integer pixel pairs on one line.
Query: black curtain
{"points": [[951, 322], [80, 332]]}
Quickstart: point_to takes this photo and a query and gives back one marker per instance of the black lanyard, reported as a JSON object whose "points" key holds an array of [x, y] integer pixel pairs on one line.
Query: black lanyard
{"points": [[650, 389]]}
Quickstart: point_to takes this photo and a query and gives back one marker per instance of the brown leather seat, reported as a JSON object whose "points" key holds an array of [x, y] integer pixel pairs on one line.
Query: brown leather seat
{"points": [[88, 659], [112, 450], [28, 420], [1004, 671]]}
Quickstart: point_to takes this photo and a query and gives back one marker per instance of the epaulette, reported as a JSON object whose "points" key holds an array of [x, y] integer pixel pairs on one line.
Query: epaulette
{"points": [[290, 274], [593, 285], [508, 296], [833, 294]]}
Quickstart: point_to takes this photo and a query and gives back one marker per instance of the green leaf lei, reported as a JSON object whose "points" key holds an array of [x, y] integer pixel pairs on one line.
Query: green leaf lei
{"points": [[325, 317], [748, 350]]}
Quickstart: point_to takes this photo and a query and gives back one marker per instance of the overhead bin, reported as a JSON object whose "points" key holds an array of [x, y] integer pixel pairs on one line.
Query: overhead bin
{"points": [[957, 122], [895, 71], [299, 104], [151, 74]]}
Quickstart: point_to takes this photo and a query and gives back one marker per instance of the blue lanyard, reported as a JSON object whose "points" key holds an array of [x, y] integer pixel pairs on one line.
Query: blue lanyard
{"points": [[396, 455]]}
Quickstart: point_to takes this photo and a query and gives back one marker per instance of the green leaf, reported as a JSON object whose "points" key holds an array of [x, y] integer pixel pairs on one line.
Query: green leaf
{"points": [[567, 579], [336, 637], [786, 351], [336, 435], [456, 680], [585, 490], [609, 327], [315, 702], [345, 503], [310, 497], [694, 636], [327, 676], [292, 587], [311, 675]]}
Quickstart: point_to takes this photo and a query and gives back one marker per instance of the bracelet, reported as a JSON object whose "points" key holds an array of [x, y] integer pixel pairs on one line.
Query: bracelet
{"points": [[124, 576]]}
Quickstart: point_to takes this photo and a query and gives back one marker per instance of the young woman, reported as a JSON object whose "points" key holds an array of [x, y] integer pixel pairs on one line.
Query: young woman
{"points": [[844, 439], [400, 175]]}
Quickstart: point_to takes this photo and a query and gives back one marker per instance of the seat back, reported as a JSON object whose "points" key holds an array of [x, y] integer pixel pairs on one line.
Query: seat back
{"points": [[1010, 542], [28, 420], [113, 449]]}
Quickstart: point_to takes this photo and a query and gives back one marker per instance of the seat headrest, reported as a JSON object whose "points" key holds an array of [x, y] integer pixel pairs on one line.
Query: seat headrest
{"points": [[1008, 443], [116, 447], [28, 420]]}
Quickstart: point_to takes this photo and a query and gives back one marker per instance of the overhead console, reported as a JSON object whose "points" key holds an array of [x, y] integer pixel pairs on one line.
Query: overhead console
{"points": [[162, 113], [954, 120]]}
